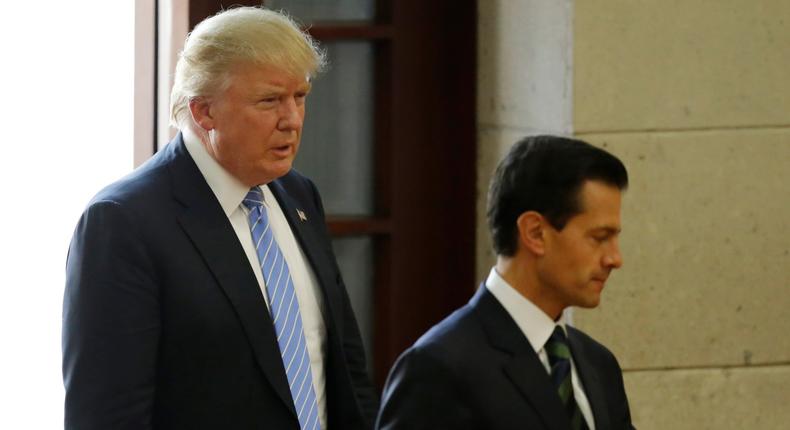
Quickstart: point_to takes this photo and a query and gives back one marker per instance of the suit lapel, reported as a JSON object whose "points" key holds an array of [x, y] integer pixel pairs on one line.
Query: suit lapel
{"points": [[523, 368], [311, 245], [590, 380], [204, 221]]}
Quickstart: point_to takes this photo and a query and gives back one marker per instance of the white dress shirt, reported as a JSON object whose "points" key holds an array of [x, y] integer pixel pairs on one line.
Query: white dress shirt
{"points": [[537, 327], [230, 192]]}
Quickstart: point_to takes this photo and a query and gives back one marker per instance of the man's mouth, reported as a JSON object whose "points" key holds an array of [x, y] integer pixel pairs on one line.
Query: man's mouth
{"points": [[283, 150]]}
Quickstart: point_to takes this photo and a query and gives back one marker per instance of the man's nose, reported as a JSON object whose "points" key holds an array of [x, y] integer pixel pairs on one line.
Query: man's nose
{"points": [[290, 115], [613, 258]]}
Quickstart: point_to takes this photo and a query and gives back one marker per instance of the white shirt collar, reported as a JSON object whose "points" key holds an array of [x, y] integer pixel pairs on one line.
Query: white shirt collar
{"points": [[533, 322], [228, 190]]}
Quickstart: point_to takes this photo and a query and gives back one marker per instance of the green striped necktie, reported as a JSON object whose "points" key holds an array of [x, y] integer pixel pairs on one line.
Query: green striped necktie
{"points": [[560, 361]]}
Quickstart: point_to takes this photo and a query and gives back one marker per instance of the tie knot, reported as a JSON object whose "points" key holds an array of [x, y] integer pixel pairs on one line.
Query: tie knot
{"points": [[557, 345], [254, 198]]}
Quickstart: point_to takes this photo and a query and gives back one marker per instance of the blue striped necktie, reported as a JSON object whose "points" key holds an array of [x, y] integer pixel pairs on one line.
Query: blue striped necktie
{"points": [[560, 361], [284, 308]]}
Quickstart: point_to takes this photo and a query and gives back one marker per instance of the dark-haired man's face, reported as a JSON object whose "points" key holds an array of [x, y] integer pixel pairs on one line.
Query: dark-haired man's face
{"points": [[579, 258]]}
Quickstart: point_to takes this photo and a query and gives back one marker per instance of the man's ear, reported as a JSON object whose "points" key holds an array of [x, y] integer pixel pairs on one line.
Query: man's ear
{"points": [[200, 108], [531, 226]]}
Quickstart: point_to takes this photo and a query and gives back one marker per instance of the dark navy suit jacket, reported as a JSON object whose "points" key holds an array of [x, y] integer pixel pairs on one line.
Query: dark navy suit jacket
{"points": [[476, 370], [165, 326]]}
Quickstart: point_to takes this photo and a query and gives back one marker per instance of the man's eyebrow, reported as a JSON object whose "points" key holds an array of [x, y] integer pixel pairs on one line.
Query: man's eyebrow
{"points": [[267, 90], [274, 88], [608, 229]]}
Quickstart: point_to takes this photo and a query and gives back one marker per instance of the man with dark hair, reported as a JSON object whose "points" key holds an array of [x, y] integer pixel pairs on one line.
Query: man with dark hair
{"points": [[507, 360]]}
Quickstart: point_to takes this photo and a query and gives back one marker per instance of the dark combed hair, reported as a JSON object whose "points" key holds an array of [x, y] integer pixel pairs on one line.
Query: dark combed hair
{"points": [[544, 174]]}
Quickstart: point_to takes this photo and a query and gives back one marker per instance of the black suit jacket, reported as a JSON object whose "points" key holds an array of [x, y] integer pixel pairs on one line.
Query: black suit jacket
{"points": [[476, 370], [165, 326]]}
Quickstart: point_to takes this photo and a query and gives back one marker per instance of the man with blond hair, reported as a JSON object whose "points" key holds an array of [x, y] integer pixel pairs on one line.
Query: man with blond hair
{"points": [[201, 290]]}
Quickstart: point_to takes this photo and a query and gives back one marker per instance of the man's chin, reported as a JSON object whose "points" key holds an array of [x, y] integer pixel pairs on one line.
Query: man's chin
{"points": [[265, 175], [279, 168], [589, 302]]}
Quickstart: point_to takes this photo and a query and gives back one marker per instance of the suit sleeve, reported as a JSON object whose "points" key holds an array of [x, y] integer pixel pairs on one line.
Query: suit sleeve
{"points": [[623, 418], [355, 360], [110, 323], [421, 393], [352, 342]]}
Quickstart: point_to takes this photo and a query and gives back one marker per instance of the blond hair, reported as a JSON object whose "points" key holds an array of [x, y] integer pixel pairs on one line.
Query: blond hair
{"points": [[241, 35]]}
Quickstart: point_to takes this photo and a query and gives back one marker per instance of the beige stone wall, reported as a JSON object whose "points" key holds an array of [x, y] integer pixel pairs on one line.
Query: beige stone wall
{"points": [[695, 98], [524, 86]]}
